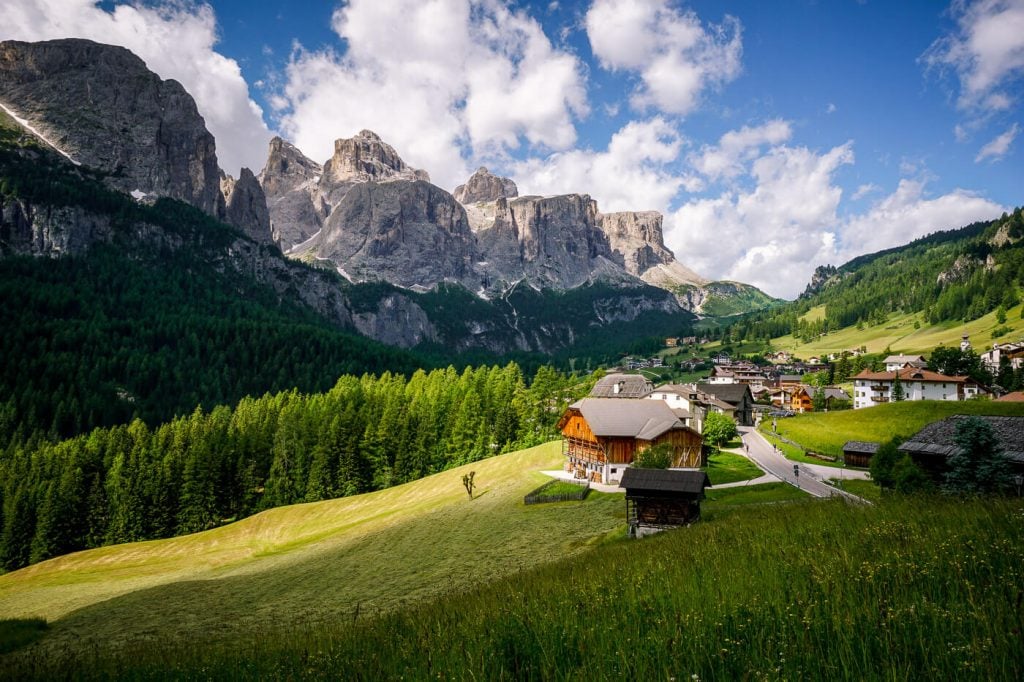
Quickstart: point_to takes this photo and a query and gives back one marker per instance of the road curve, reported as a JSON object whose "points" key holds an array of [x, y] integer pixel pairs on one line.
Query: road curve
{"points": [[765, 456]]}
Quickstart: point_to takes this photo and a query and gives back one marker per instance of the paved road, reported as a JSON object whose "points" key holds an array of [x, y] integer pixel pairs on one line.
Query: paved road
{"points": [[764, 455]]}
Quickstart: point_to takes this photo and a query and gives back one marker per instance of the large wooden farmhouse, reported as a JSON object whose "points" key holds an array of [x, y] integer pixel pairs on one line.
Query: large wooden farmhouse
{"points": [[601, 436]]}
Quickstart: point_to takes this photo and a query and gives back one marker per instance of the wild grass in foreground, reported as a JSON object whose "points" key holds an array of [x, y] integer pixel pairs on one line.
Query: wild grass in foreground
{"points": [[925, 588]]}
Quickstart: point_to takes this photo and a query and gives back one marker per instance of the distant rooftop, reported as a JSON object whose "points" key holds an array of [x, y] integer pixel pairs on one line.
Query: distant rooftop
{"points": [[621, 386]]}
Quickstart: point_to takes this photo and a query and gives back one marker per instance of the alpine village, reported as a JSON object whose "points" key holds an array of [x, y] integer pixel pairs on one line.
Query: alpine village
{"points": [[335, 419]]}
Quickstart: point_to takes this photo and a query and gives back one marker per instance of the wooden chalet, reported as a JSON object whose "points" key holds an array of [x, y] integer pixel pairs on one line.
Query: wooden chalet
{"points": [[738, 396], [802, 399], [657, 499], [931, 447], [601, 436], [858, 453]]}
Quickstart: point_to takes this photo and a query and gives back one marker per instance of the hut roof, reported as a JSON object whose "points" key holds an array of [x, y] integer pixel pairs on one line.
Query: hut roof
{"points": [[729, 393], [936, 439], [636, 418], [664, 480], [862, 446]]}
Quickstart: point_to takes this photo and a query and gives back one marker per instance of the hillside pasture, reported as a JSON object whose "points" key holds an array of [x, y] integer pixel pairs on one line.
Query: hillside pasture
{"points": [[806, 590], [312, 562], [827, 432], [899, 335]]}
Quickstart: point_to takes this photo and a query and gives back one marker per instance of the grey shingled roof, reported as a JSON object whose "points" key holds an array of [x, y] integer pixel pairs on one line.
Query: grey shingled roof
{"points": [[628, 418], [864, 446], [729, 393], [630, 386], [675, 480], [937, 438]]}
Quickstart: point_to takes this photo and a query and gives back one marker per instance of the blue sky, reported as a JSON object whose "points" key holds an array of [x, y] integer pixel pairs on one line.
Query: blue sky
{"points": [[774, 136]]}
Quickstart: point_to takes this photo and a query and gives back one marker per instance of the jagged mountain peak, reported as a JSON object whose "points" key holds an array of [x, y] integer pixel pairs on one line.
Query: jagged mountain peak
{"points": [[101, 105], [365, 157], [484, 186]]}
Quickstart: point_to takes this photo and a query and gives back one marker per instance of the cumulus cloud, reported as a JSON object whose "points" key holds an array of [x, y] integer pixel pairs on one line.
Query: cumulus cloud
{"points": [[728, 158], [440, 80], [907, 214], [631, 174], [676, 56], [997, 148], [774, 234], [176, 40], [986, 51]]}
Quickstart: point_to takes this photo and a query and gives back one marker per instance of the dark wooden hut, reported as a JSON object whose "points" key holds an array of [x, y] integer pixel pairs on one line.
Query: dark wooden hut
{"points": [[657, 499]]}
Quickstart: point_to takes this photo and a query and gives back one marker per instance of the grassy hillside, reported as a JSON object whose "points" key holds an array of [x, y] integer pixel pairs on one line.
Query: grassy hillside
{"points": [[807, 590], [899, 334], [734, 298], [827, 432], [312, 562]]}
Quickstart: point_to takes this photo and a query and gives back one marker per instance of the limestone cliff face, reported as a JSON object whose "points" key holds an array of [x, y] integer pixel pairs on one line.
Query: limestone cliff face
{"points": [[245, 206], [485, 186], [636, 237], [104, 108], [409, 233], [363, 158], [49, 231], [291, 183], [552, 242]]}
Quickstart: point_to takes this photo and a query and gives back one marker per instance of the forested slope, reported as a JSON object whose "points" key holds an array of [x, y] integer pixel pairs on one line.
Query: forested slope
{"points": [[952, 276]]}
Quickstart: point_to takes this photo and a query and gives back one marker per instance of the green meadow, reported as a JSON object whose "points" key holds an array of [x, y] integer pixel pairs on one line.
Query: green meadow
{"points": [[420, 581], [826, 432], [899, 334], [908, 588]]}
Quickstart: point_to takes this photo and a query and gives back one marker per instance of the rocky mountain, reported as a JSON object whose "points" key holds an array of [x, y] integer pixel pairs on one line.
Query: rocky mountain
{"points": [[291, 183], [101, 107], [485, 186], [406, 232], [558, 242], [363, 213]]}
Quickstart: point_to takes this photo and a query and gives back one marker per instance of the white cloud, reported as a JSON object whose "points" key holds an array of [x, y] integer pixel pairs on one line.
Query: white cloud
{"points": [[176, 40], [439, 80], [986, 51], [907, 214], [629, 175], [676, 57], [736, 147], [775, 234], [864, 190], [831, 108], [998, 147]]}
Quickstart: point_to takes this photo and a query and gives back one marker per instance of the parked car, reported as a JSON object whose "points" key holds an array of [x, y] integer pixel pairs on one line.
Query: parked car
{"points": [[781, 413]]}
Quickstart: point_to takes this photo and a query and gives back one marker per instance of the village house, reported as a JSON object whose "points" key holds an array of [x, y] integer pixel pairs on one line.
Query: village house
{"points": [[602, 436], [895, 362], [873, 388], [1013, 353], [803, 397], [931, 447], [1015, 397], [621, 386], [736, 396], [658, 499]]}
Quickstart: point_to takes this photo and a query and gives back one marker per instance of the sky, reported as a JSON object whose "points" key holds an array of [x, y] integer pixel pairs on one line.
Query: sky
{"points": [[773, 136]]}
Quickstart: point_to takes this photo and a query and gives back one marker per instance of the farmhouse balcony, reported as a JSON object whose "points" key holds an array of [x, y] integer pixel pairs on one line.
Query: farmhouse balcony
{"points": [[880, 398], [582, 450], [879, 388]]}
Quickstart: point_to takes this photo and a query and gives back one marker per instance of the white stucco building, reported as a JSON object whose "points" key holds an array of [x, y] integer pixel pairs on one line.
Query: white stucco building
{"points": [[875, 388]]}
